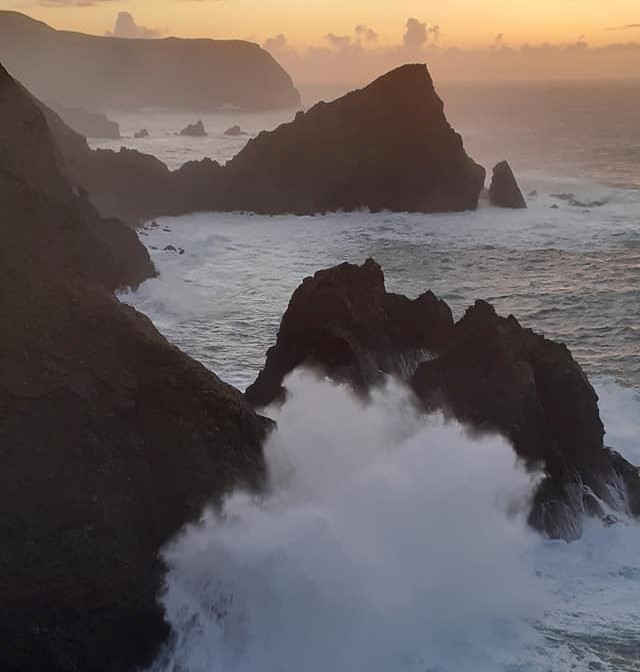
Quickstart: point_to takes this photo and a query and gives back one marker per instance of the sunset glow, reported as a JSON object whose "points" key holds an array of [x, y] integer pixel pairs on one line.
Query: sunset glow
{"points": [[464, 23]]}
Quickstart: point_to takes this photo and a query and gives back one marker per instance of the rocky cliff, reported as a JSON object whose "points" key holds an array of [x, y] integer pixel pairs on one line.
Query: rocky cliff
{"points": [[111, 439], [103, 73], [387, 146], [486, 371]]}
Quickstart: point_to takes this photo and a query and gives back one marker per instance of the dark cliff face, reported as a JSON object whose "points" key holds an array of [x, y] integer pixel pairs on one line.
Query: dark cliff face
{"points": [[111, 439], [105, 73], [486, 371], [387, 146], [343, 321]]}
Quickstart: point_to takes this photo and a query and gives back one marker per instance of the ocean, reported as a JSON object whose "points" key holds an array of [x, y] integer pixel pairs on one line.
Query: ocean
{"points": [[389, 541]]}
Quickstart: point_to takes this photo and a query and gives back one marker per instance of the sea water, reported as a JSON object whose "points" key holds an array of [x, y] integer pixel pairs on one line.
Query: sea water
{"points": [[392, 541]]}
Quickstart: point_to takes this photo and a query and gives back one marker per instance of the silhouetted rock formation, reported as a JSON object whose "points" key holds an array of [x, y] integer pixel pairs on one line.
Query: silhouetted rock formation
{"points": [[234, 131], [343, 320], [111, 438], [486, 371], [89, 124], [144, 133], [196, 130], [504, 191], [175, 73], [387, 146]]}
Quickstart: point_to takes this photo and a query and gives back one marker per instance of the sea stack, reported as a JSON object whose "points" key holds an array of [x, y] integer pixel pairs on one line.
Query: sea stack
{"points": [[504, 191], [486, 371], [196, 130], [385, 147]]}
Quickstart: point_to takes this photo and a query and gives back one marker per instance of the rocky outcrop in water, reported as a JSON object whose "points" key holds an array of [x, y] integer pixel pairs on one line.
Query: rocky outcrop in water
{"points": [[196, 130], [485, 370], [234, 131], [89, 124], [143, 133], [504, 191], [387, 146], [111, 439], [106, 73], [343, 321]]}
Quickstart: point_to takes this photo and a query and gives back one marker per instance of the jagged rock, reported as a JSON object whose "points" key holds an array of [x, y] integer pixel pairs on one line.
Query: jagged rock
{"points": [[387, 146], [235, 131], [111, 73], [196, 130], [144, 133], [504, 191], [486, 371], [111, 439], [565, 196], [89, 124], [343, 321], [533, 193], [169, 248]]}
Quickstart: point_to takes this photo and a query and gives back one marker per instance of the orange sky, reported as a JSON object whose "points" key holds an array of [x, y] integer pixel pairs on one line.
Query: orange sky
{"points": [[463, 23]]}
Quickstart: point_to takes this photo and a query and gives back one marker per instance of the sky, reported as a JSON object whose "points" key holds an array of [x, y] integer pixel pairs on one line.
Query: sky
{"points": [[319, 40]]}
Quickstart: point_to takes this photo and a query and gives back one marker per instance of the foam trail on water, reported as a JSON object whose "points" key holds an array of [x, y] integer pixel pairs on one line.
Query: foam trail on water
{"points": [[390, 541]]}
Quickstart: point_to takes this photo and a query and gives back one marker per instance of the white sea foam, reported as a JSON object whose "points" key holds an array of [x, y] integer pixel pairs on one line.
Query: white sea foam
{"points": [[389, 542], [393, 542]]}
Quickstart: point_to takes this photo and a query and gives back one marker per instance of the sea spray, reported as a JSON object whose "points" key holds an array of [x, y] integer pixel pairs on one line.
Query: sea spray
{"points": [[389, 540]]}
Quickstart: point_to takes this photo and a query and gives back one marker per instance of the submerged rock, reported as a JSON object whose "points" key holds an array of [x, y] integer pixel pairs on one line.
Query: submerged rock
{"points": [[386, 146], [111, 439], [196, 130], [235, 131], [504, 191], [486, 371]]}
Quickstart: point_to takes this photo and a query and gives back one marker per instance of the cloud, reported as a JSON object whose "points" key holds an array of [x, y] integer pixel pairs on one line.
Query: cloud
{"points": [[338, 41], [65, 3], [416, 34], [365, 33], [277, 43], [126, 27], [627, 26]]}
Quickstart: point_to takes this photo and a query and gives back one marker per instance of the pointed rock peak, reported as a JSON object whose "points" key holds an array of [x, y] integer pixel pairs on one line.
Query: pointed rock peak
{"points": [[504, 191]]}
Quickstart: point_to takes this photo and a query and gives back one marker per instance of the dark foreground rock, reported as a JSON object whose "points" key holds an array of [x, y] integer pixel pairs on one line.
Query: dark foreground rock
{"points": [[504, 191], [486, 371], [105, 73], [343, 321], [89, 124], [387, 146], [111, 439], [196, 130]]}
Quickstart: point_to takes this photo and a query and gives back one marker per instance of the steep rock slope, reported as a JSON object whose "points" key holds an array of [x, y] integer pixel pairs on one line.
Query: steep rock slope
{"points": [[111, 439]]}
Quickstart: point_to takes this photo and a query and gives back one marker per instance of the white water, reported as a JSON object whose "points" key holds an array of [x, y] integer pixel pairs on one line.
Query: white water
{"points": [[392, 541]]}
